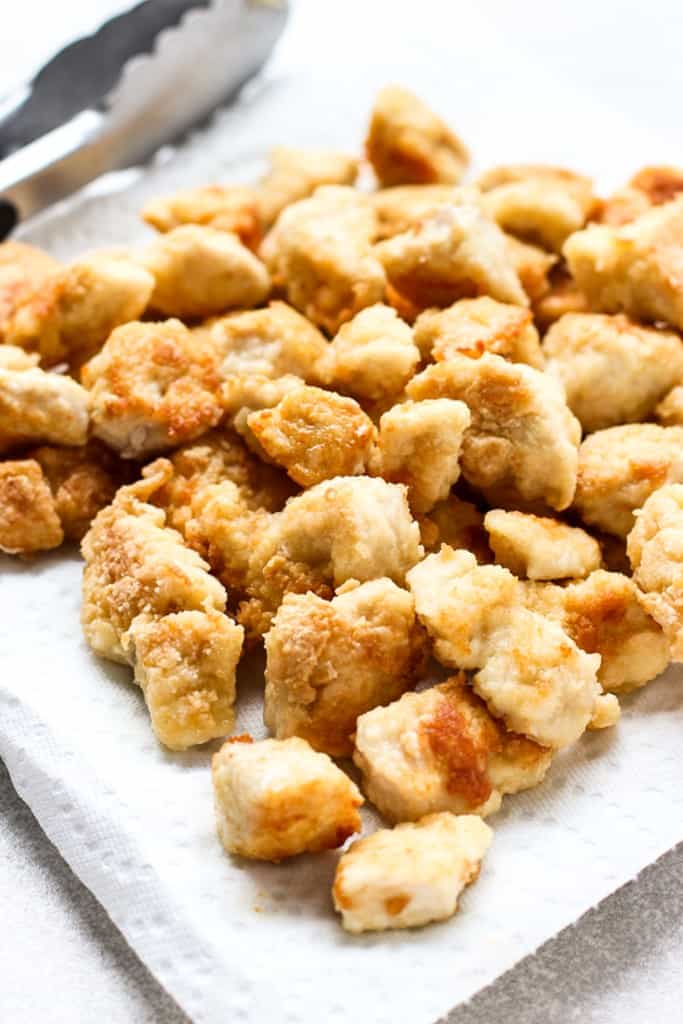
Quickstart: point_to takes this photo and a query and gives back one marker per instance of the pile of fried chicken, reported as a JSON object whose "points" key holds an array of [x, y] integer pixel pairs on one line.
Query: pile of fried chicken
{"points": [[374, 429]]}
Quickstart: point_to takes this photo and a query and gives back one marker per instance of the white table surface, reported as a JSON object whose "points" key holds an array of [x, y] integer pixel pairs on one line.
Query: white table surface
{"points": [[62, 961]]}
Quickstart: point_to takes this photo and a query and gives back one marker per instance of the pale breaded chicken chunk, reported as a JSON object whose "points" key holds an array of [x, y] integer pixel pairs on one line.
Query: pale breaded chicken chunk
{"points": [[455, 252], [541, 548], [37, 406], [371, 357], [14, 358], [320, 252], [200, 272], [620, 467], [458, 523], [295, 174], [150, 601], [669, 412], [28, 517], [441, 750], [153, 386], [562, 296], [521, 446], [315, 435], [267, 343], [635, 269], [23, 269], [531, 673], [345, 528], [402, 207], [407, 143], [233, 208], [613, 370], [605, 614], [409, 875], [69, 315], [327, 662], [655, 548], [419, 446], [278, 798], [538, 203], [651, 186], [474, 326]]}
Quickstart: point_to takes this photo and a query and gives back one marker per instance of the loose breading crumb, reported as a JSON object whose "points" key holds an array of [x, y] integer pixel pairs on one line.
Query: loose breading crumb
{"points": [[28, 517], [441, 750], [474, 326], [620, 467], [295, 174], [327, 662], [279, 798], [38, 406], [613, 370], [541, 548], [407, 143], [233, 208], [409, 875], [655, 549], [606, 713]]}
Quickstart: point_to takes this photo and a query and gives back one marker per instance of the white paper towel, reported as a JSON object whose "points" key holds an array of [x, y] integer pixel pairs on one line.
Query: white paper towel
{"points": [[234, 941]]}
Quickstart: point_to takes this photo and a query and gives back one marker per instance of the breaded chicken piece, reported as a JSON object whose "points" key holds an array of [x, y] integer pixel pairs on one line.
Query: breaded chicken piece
{"points": [[669, 412], [14, 358], [271, 343], [541, 548], [296, 173], [635, 269], [441, 750], [533, 265], [23, 269], [150, 601], [458, 523], [28, 518], [320, 252], [562, 296], [409, 875], [455, 252], [474, 326], [233, 208], [278, 798], [538, 203], [153, 385], [38, 406], [521, 446], [402, 207], [69, 314], [315, 435], [419, 446], [200, 272], [620, 467], [531, 674], [327, 662], [407, 143], [651, 186], [605, 614], [82, 481], [346, 528], [372, 356], [655, 549], [613, 370]]}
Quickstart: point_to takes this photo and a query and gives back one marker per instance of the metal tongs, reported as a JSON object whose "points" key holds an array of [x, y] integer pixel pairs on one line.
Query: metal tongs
{"points": [[110, 100]]}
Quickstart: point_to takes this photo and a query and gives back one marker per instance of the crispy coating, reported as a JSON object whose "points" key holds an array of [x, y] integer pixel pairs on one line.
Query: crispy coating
{"points": [[613, 370], [458, 523], [669, 412], [474, 326], [605, 614], [655, 549], [419, 446], [296, 173], [562, 296], [620, 467], [455, 252], [153, 385], [14, 358], [531, 673], [441, 750], [38, 406], [320, 252], [69, 314], [533, 265], [23, 270], [371, 357], [401, 208], [650, 187], [407, 143], [522, 443], [315, 435], [409, 875], [28, 518], [279, 798], [541, 548], [327, 662], [233, 208], [635, 269], [200, 272], [538, 203], [82, 481]]}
